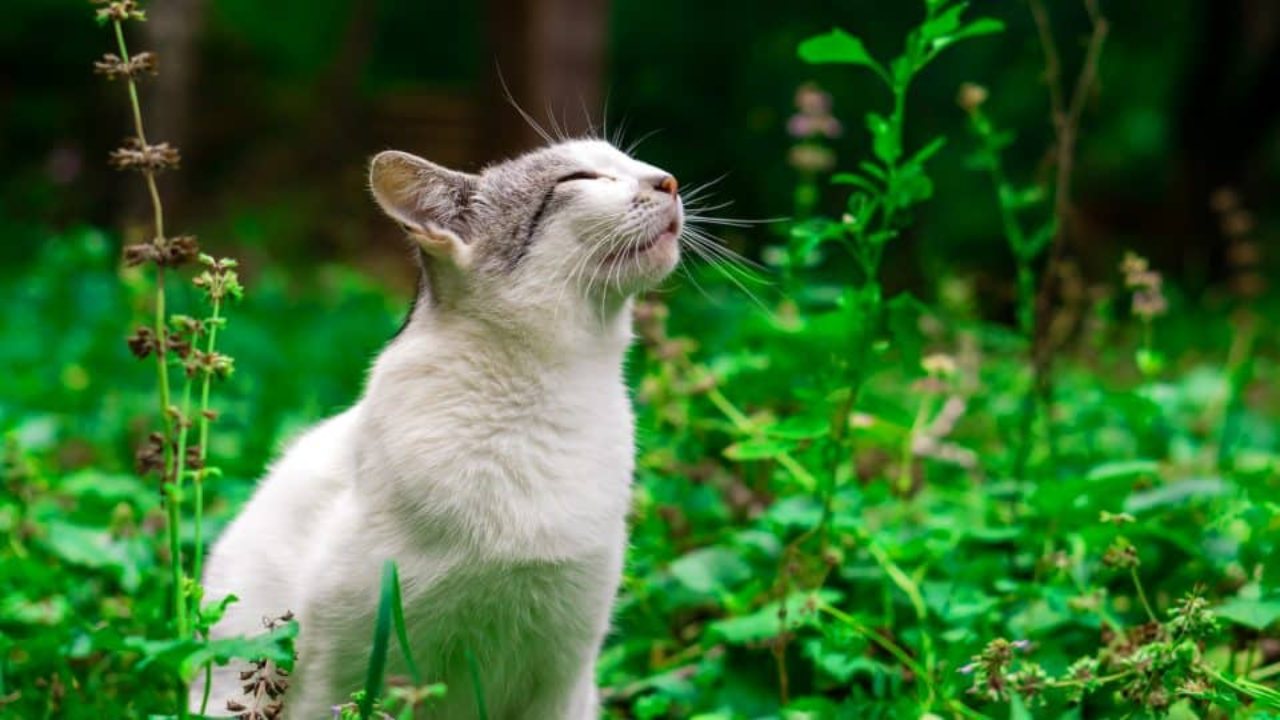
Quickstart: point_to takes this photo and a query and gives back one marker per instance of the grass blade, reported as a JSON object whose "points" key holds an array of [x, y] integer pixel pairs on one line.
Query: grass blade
{"points": [[381, 634], [476, 685], [402, 635]]}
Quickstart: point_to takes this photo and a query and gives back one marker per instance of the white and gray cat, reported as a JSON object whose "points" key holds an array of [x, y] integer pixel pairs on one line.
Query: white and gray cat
{"points": [[490, 455]]}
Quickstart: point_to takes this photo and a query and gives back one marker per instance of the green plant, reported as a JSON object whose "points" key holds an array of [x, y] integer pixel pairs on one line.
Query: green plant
{"points": [[187, 344], [829, 519]]}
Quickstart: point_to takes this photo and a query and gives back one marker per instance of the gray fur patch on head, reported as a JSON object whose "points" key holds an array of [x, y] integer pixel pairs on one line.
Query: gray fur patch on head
{"points": [[517, 196]]}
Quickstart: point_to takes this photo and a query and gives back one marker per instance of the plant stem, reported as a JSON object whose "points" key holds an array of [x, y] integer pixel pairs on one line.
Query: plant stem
{"points": [[198, 481], [1142, 595], [923, 411], [162, 376], [1065, 114]]}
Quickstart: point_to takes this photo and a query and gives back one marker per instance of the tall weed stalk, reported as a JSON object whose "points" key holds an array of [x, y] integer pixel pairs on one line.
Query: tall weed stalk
{"points": [[180, 343]]}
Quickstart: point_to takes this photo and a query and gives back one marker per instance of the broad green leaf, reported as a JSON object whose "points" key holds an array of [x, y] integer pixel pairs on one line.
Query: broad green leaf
{"points": [[943, 24], [17, 609], [1253, 614], [123, 558], [1180, 492], [836, 47], [711, 570], [109, 488], [274, 645], [765, 623], [186, 657], [800, 511]]}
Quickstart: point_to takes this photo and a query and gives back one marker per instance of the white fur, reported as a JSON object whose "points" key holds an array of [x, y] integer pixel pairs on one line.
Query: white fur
{"points": [[491, 457]]}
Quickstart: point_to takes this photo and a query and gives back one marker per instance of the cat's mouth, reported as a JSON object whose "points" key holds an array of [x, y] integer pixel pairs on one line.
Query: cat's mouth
{"points": [[667, 236]]}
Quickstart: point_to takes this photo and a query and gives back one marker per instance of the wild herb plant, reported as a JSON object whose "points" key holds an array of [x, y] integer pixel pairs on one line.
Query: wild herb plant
{"points": [[866, 612], [178, 452]]}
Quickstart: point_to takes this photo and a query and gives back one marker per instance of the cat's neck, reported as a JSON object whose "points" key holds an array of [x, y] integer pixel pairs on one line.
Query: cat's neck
{"points": [[463, 346]]}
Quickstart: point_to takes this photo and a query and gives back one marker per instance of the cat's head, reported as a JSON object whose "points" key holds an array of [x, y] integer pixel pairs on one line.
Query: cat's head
{"points": [[574, 228]]}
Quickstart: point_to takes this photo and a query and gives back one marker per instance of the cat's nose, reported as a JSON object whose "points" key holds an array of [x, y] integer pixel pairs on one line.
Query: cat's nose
{"points": [[666, 184]]}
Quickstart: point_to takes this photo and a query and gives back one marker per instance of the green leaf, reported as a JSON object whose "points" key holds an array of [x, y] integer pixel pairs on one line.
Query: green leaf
{"points": [[1124, 470], [800, 427], [807, 236], [109, 488], [872, 170], [756, 449], [884, 139], [925, 153], [798, 512], [1181, 492], [122, 558], [857, 181], [837, 47], [711, 570], [17, 609], [211, 613], [274, 645], [943, 24], [765, 623], [186, 657], [977, 28], [1253, 614]]}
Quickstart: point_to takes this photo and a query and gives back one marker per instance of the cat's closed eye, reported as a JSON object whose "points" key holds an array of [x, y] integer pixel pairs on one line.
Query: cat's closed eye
{"points": [[580, 175]]}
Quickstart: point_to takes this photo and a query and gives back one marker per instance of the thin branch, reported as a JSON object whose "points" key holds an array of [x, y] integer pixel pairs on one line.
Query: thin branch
{"points": [[1066, 115]]}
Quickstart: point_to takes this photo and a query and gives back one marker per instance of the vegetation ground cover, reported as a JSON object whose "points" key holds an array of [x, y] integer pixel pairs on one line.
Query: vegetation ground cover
{"points": [[850, 502]]}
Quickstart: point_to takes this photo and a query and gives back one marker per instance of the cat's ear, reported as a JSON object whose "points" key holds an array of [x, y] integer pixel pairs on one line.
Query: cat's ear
{"points": [[429, 201]]}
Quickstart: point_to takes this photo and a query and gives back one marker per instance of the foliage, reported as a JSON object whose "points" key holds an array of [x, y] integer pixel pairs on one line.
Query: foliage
{"points": [[839, 512]]}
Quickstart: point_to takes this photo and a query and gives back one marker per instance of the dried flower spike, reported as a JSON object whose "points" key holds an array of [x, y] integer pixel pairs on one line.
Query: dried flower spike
{"points": [[113, 67], [135, 155], [142, 342], [119, 11]]}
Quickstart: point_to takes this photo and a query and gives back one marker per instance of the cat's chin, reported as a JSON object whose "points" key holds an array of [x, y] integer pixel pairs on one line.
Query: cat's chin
{"points": [[646, 264]]}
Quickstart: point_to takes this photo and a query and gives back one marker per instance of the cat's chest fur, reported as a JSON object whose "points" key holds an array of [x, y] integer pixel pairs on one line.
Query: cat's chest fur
{"points": [[483, 455]]}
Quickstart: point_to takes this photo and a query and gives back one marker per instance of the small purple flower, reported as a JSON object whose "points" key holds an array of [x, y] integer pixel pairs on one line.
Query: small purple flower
{"points": [[814, 118], [813, 100]]}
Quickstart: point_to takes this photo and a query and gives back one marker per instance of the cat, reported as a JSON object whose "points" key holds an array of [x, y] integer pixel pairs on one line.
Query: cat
{"points": [[490, 455]]}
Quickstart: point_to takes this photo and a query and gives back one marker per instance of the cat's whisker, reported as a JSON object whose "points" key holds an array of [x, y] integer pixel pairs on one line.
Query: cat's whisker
{"points": [[636, 143], [533, 124], [732, 222], [702, 250], [717, 246]]}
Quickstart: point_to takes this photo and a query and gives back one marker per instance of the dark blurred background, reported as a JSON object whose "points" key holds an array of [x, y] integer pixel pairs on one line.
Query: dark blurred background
{"points": [[277, 106]]}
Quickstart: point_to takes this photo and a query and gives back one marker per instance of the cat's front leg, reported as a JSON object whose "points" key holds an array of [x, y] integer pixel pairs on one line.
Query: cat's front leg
{"points": [[571, 696], [333, 652]]}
